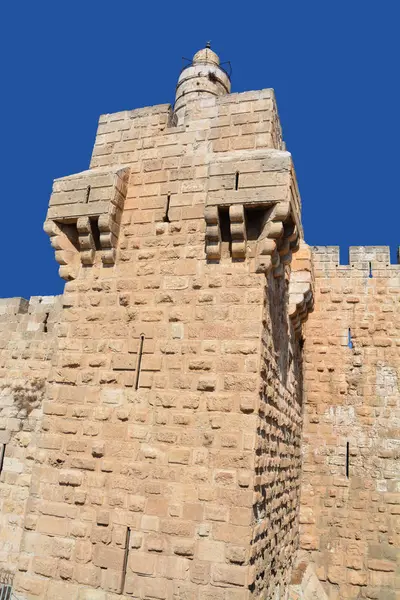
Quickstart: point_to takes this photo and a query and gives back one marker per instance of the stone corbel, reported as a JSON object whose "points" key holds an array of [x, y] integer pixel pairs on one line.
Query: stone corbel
{"points": [[302, 303], [213, 233], [109, 230], [238, 230], [301, 287], [279, 238], [65, 251], [86, 241], [84, 216]]}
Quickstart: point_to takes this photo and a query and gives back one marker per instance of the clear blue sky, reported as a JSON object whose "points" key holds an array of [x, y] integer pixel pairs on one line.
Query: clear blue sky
{"points": [[334, 66]]}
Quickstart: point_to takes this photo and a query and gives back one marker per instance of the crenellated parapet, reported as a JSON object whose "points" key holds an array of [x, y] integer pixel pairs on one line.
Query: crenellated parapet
{"points": [[84, 217], [253, 204], [362, 262]]}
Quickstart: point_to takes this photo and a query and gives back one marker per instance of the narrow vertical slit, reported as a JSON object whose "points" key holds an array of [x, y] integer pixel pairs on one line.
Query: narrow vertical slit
{"points": [[88, 193], [237, 180], [255, 219], [126, 556], [347, 459], [225, 229], [46, 318], [166, 216], [370, 270], [349, 339], [2, 453], [139, 362], [94, 225]]}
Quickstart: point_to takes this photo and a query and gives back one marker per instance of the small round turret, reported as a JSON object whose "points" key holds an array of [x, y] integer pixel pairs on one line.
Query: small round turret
{"points": [[202, 78]]}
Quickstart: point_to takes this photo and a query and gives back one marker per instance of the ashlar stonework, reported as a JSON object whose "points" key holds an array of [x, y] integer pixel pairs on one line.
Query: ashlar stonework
{"points": [[210, 411]]}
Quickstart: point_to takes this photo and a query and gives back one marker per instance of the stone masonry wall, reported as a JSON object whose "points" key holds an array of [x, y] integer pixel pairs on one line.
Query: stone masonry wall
{"points": [[169, 456], [27, 344], [151, 417], [350, 487], [277, 448]]}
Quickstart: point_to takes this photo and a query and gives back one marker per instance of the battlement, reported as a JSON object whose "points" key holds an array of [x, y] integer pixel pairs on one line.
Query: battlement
{"points": [[13, 306], [37, 314], [363, 261]]}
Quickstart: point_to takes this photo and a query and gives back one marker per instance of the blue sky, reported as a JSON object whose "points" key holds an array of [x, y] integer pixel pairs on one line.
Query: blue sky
{"points": [[333, 65]]}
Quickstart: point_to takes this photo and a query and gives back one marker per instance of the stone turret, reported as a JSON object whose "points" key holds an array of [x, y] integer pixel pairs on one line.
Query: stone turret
{"points": [[202, 78]]}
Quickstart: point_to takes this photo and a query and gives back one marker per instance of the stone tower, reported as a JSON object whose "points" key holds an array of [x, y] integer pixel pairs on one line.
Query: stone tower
{"points": [[151, 417], [203, 78]]}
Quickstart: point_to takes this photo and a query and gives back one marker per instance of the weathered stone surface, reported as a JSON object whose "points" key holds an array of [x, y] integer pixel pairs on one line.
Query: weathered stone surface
{"points": [[152, 416]]}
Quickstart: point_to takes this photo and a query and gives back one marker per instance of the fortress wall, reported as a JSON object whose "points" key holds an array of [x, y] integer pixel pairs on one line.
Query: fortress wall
{"points": [[350, 488], [171, 435], [27, 344], [151, 417]]}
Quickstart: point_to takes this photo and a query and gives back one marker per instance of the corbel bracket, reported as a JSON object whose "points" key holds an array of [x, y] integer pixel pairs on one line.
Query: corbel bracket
{"points": [[279, 238], [84, 217], [301, 287]]}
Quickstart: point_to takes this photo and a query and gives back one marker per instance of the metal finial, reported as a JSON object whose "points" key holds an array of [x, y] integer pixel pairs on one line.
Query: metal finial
{"points": [[208, 44]]}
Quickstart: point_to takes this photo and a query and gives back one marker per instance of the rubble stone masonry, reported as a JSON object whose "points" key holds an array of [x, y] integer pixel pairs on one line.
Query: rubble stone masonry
{"points": [[151, 417]]}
